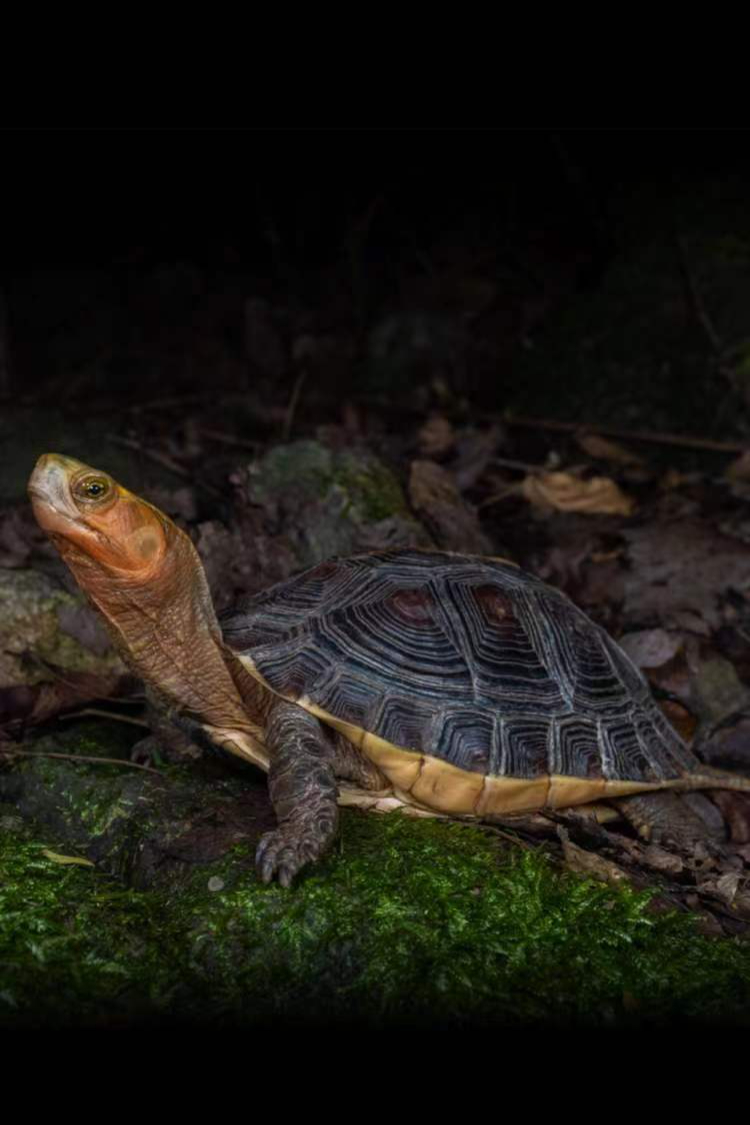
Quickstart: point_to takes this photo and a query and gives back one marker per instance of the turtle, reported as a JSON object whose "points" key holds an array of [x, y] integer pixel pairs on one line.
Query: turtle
{"points": [[457, 685]]}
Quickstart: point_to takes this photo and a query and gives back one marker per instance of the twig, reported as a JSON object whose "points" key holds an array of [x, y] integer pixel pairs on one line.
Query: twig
{"points": [[511, 837], [512, 489], [626, 435], [164, 460], [498, 497], [522, 466], [99, 712], [230, 439], [292, 407], [77, 758]]}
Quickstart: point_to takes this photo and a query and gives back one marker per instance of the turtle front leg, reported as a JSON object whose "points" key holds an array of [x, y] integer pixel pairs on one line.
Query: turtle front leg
{"points": [[302, 786]]}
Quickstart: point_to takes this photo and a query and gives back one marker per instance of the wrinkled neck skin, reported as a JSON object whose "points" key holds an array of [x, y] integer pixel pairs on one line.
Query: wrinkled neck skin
{"points": [[162, 621]]}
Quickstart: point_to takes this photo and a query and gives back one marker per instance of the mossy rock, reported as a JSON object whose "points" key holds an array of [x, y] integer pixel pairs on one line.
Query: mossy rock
{"points": [[406, 921], [332, 502], [39, 617]]}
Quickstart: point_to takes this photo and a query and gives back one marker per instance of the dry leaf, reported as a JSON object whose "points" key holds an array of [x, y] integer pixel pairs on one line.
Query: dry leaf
{"points": [[452, 521], [605, 450], [683, 721], [724, 888], [661, 860], [589, 863], [741, 905], [650, 648], [474, 452], [67, 859], [735, 808], [566, 493]]}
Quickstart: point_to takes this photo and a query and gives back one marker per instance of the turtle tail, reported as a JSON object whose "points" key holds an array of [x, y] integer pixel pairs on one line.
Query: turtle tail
{"points": [[710, 778]]}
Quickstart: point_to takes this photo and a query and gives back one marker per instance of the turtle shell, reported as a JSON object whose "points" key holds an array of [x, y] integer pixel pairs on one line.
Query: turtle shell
{"points": [[463, 677]]}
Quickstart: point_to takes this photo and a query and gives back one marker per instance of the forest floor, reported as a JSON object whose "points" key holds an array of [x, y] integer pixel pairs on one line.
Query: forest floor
{"points": [[597, 437]]}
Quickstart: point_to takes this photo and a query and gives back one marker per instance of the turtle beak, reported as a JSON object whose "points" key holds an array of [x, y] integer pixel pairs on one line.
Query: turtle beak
{"points": [[49, 489]]}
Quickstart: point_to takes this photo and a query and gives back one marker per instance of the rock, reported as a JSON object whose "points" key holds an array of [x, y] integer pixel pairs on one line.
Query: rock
{"points": [[54, 651], [300, 504], [145, 829]]}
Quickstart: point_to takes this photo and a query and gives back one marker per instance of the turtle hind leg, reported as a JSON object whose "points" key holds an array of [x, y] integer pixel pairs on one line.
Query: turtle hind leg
{"points": [[666, 815], [352, 765], [303, 791]]}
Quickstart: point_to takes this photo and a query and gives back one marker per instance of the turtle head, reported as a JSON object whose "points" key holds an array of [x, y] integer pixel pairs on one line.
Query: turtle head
{"points": [[146, 578], [127, 556], [97, 525]]}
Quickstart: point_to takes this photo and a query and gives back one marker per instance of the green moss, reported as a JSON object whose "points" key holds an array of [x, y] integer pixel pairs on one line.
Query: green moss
{"points": [[370, 490], [305, 466], [408, 920], [70, 939], [91, 796], [370, 487]]}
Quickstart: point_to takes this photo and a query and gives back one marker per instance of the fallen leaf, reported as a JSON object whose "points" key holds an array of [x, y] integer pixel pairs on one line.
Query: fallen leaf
{"points": [[661, 860], [589, 863], [67, 859], [735, 808], [709, 926], [741, 905], [474, 452], [650, 648], [653, 856], [37, 703], [564, 492], [681, 565], [604, 450], [724, 888], [436, 499], [717, 694], [681, 719]]}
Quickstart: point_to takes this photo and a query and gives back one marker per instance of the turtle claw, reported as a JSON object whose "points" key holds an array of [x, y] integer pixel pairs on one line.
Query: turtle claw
{"points": [[146, 752], [284, 852]]}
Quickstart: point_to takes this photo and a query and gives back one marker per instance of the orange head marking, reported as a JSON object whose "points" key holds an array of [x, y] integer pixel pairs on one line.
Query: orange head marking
{"points": [[94, 520]]}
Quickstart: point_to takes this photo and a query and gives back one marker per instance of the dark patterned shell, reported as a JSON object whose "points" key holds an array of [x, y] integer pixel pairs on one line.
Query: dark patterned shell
{"points": [[467, 659]]}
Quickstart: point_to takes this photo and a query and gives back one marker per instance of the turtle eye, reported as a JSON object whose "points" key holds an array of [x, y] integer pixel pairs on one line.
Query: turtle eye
{"points": [[92, 488]]}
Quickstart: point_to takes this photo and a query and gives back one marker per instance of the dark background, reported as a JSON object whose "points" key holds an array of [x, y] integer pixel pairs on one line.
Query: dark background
{"points": [[589, 275]]}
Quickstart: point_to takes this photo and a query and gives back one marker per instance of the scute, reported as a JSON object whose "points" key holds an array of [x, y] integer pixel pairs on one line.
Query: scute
{"points": [[467, 659]]}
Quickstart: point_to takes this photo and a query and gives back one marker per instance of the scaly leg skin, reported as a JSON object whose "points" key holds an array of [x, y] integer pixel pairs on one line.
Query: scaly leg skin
{"points": [[302, 786], [350, 764], [667, 816]]}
